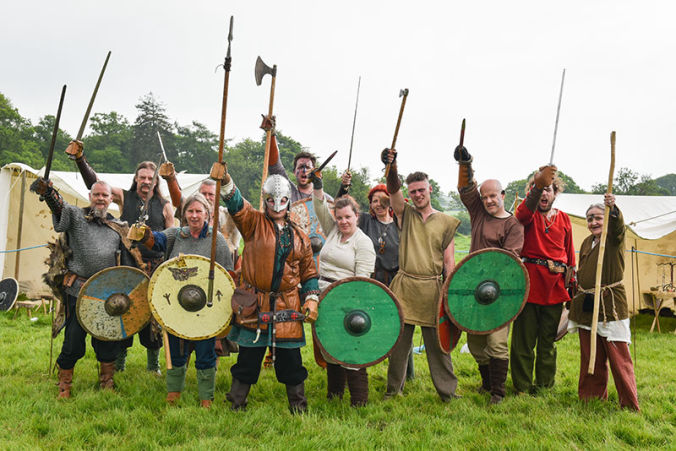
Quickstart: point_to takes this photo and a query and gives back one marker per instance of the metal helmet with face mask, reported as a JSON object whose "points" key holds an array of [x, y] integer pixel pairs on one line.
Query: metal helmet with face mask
{"points": [[278, 189]]}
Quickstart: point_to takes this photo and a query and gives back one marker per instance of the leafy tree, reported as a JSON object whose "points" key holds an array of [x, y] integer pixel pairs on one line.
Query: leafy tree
{"points": [[667, 182], [152, 118], [519, 187], [17, 142], [628, 182], [108, 147], [196, 148], [465, 227]]}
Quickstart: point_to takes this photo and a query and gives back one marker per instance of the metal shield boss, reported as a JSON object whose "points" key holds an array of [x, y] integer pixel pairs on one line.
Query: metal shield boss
{"points": [[359, 322], [113, 303], [178, 292], [486, 291], [303, 214], [9, 290]]}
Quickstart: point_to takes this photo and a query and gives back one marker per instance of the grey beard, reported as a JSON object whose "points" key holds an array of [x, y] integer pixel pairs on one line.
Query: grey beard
{"points": [[99, 212]]}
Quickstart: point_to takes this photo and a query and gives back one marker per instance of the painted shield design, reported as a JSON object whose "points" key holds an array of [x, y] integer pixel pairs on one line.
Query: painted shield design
{"points": [[359, 322], [486, 291], [9, 290], [178, 293], [113, 304], [448, 333], [303, 215]]}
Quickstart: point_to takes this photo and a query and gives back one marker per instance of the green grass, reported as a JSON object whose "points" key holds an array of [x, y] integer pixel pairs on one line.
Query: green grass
{"points": [[136, 417]]}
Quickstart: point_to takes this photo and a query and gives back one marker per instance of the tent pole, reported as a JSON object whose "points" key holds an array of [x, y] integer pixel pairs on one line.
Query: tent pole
{"points": [[20, 226]]}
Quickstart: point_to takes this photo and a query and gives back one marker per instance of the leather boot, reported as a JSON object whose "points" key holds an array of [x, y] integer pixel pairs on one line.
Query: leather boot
{"points": [[206, 383], [297, 399], [238, 394], [65, 382], [498, 373], [153, 365], [106, 372], [358, 382], [206, 403], [173, 397], [485, 371], [335, 381], [121, 360]]}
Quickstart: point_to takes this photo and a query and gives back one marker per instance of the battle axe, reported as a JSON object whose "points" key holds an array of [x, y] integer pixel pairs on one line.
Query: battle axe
{"points": [[403, 93], [261, 70]]}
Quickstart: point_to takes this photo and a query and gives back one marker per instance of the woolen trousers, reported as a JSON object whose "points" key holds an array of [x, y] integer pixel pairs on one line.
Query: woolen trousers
{"points": [[536, 326], [489, 346], [289, 367], [439, 363], [596, 385]]}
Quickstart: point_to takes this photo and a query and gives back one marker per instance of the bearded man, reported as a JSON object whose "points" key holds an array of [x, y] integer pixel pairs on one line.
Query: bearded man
{"points": [[95, 238], [492, 227], [160, 217], [549, 256]]}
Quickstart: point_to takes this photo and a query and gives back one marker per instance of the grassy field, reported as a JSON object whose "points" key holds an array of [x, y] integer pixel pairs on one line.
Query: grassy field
{"points": [[136, 417]]}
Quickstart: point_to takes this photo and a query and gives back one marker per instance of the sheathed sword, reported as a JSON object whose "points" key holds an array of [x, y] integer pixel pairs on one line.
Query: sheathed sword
{"points": [[556, 124]]}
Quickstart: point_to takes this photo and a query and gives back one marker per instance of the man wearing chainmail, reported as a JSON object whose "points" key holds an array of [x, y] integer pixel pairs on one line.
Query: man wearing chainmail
{"points": [[95, 239]]}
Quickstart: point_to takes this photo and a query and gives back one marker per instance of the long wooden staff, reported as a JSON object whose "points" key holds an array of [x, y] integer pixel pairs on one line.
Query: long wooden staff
{"points": [[599, 263], [221, 141], [404, 94]]}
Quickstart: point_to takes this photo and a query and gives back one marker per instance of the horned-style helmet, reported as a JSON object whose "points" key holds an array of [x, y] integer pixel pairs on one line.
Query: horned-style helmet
{"points": [[278, 189]]}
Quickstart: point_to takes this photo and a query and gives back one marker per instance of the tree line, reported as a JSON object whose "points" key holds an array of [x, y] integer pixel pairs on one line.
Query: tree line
{"points": [[115, 144]]}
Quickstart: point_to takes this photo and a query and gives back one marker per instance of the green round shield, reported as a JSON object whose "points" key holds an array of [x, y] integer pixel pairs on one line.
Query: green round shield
{"points": [[359, 322], [486, 291]]}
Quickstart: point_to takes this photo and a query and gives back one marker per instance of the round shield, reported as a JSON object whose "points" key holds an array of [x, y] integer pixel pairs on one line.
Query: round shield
{"points": [[113, 304], [448, 333], [486, 291], [9, 290], [303, 215], [359, 322], [179, 297]]}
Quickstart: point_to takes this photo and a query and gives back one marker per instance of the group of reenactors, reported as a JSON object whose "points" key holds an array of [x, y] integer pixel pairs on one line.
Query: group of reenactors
{"points": [[405, 244]]}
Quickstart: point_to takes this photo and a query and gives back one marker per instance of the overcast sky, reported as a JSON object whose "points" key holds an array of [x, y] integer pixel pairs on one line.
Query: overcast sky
{"points": [[496, 63]]}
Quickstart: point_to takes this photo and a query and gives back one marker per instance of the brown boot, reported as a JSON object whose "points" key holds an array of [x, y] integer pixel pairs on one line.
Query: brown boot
{"points": [[65, 382], [106, 372], [358, 383], [485, 372], [206, 403], [499, 368], [173, 397]]}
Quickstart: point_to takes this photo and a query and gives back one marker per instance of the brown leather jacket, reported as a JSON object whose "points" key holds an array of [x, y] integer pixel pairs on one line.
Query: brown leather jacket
{"points": [[258, 260]]}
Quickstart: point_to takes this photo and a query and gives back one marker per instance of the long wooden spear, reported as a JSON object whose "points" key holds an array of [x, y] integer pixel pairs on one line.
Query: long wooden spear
{"points": [[221, 141], [599, 263], [403, 93]]}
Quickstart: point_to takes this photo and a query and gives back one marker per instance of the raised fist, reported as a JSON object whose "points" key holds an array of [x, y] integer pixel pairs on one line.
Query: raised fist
{"points": [[461, 155], [167, 171], [388, 156], [545, 176], [41, 186], [74, 150], [219, 171], [269, 123]]}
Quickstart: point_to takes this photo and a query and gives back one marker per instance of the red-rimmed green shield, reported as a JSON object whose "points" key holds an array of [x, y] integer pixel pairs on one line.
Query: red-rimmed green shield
{"points": [[359, 322], [486, 291], [113, 303]]}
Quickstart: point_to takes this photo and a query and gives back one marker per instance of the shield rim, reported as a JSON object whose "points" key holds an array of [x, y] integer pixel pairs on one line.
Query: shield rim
{"points": [[86, 284], [392, 296], [16, 295], [447, 282], [441, 306], [151, 286]]}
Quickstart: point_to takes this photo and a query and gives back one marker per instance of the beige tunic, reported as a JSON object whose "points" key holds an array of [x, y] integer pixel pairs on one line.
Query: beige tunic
{"points": [[421, 264]]}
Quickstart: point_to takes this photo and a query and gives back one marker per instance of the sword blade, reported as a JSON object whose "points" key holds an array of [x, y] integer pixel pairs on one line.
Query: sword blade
{"points": [[556, 124], [55, 132], [164, 154], [327, 160], [91, 101], [462, 132], [354, 122]]}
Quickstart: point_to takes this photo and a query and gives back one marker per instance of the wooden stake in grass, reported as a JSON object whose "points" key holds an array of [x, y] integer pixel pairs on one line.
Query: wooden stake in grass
{"points": [[599, 264]]}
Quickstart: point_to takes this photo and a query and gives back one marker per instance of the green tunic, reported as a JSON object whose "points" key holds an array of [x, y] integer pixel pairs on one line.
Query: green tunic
{"points": [[614, 304], [421, 264]]}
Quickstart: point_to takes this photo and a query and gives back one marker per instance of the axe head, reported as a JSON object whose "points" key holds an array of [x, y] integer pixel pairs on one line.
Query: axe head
{"points": [[262, 69], [403, 92]]}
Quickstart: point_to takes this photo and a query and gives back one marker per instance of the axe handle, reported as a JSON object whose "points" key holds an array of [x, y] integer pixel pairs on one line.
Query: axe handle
{"points": [[396, 129], [167, 351], [268, 139]]}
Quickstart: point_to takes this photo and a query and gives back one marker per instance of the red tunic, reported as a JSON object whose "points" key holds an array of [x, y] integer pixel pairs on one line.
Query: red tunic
{"points": [[546, 288]]}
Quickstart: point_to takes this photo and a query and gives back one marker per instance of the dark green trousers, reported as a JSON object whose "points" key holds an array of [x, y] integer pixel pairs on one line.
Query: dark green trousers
{"points": [[535, 327]]}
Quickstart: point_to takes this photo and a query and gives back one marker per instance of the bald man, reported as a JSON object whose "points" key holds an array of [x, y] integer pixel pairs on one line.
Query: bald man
{"points": [[492, 226]]}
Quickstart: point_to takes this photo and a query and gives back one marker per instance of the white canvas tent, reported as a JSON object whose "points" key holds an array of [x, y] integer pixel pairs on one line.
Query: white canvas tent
{"points": [[28, 223], [651, 223]]}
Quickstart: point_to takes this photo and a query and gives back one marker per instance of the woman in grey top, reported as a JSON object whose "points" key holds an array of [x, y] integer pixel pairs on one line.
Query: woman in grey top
{"points": [[195, 239]]}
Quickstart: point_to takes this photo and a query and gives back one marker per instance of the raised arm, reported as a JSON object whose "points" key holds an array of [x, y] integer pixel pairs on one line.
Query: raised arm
{"points": [[389, 156]]}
